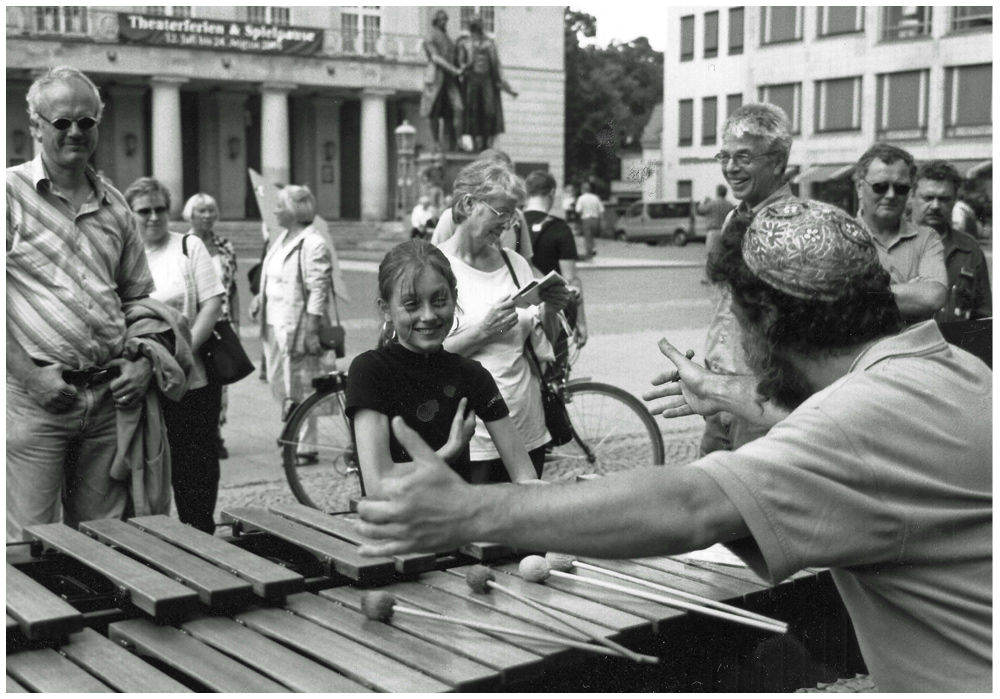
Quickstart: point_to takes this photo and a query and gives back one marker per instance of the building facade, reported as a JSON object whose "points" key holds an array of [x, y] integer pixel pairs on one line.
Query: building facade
{"points": [[312, 95], [918, 77]]}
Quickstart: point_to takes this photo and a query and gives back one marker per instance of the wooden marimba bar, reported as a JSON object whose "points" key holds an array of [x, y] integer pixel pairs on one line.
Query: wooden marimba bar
{"points": [[183, 610]]}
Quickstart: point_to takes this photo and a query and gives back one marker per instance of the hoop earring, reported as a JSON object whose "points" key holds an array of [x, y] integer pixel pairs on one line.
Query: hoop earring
{"points": [[386, 325]]}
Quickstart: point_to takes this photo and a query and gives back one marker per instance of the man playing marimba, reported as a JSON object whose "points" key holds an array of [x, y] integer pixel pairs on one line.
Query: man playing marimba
{"points": [[881, 472]]}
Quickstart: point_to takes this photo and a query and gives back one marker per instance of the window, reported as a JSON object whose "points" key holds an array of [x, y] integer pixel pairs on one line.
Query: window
{"points": [[361, 28], [709, 120], [899, 22], [711, 34], [170, 10], [735, 31], [685, 122], [485, 11], [665, 209], [838, 104], [733, 102], [684, 189], [901, 104], [687, 38], [788, 97], [278, 16], [975, 17], [968, 96], [634, 210], [834, 20], [61, 20], [780, 23]]}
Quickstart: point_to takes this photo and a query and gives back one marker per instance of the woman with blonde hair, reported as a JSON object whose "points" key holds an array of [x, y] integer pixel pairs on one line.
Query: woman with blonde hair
{"points": [[202, 211], [490, 328], [294, 301]]}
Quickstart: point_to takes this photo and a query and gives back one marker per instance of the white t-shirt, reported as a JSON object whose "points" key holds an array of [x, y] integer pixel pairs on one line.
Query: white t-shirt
{"points": [[182, 282], [504, 357]]}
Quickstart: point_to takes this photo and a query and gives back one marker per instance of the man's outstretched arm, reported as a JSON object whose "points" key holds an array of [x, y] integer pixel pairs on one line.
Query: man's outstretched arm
{"points": [[644, 512]]}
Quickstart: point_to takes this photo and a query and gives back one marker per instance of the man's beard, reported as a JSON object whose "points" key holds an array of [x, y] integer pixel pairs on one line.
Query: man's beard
{"points": [[778, 379]]}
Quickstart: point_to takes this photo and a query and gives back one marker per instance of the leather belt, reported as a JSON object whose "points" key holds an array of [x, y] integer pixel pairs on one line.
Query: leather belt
{"points": [[86, 378]]}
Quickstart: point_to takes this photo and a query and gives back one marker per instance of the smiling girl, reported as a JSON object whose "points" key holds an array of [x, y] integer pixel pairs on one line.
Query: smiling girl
{"points": [[436, 392]]}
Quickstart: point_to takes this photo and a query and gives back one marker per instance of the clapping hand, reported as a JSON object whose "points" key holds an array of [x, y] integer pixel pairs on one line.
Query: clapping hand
{"points": [[687, 386], [462, 428]]}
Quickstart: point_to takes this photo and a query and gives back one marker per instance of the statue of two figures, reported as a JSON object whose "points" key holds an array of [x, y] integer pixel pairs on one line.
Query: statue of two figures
{"points": [[461, 95]]}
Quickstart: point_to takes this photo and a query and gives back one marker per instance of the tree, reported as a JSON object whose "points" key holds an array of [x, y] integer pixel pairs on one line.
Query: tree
{"points": [[610, 93]]}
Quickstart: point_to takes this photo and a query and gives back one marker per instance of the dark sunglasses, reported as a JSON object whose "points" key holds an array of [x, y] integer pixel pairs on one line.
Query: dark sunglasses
{"points": [[881, 188], [62, 124], [146, 211]]}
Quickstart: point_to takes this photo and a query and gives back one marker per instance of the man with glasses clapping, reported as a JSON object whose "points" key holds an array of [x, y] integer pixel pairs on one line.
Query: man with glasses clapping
{"points": [[913, 255]]}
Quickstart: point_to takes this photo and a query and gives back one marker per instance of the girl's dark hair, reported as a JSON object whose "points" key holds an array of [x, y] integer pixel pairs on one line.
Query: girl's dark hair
{"points": [[401, 266], [865, 310]]}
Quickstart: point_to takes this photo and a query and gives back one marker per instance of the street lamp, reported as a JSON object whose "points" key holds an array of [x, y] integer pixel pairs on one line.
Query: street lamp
{"points": [[406, 145]]}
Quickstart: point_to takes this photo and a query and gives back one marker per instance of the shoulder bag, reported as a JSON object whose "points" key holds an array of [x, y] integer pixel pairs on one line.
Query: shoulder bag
{"points": [[557, 420], [225, 359], [331, 337]]}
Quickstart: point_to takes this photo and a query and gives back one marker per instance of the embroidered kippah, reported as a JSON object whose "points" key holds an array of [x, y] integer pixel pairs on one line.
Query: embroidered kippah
{"points": [[807, 249]]}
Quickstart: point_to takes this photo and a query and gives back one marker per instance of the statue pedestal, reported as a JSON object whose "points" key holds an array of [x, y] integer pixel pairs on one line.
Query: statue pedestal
{"points": [[438, 170]]}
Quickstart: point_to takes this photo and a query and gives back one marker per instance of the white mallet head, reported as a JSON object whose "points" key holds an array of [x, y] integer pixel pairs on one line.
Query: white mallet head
{"points": [[534, 568]]}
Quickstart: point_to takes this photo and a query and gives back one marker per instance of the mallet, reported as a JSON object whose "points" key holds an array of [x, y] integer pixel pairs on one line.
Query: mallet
{"points": [[537, 569], [481, 579], [380, 606], [562, 561]]}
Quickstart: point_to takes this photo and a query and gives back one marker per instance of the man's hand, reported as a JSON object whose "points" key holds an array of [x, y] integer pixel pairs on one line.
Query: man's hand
{"points": [[462, 428], [254, 309], [46, 387], [427, 507], [133, 381], [688, 386]]}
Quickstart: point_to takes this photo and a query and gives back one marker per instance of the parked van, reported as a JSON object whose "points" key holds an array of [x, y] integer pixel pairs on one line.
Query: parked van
{"points": [[656, 222]]}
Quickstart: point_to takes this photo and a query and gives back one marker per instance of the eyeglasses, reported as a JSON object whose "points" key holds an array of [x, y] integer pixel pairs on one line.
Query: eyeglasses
{"points": [[146, 212], [881, 188], [741, 159], [62, 124], [507, 218]]}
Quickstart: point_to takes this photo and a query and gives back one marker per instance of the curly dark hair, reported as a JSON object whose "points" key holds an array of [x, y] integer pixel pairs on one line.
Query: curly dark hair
{"points": [[779, 323], [940, 171]]}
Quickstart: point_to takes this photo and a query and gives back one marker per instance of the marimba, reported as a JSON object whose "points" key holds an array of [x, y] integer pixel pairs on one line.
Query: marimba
{"points": [[153, 605]]}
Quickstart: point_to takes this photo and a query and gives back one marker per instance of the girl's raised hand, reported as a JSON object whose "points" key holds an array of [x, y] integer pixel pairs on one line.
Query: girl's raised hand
{"points": [[462, 428]]}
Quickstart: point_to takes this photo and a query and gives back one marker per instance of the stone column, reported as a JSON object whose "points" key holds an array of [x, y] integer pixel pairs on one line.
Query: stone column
{"points": [[168, 161], [274, 135], [374, 156]]}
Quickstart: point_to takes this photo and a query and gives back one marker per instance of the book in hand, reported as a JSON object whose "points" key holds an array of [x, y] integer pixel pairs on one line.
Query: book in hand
{"points": [[531, 293]]}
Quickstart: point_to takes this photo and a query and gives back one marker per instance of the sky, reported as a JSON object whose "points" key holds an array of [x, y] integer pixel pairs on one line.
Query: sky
{"points": [[624, 21]]}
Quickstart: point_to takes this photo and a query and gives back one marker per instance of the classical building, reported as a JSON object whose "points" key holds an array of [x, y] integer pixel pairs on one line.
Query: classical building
{"points": [[311, 95], [920, 77]]}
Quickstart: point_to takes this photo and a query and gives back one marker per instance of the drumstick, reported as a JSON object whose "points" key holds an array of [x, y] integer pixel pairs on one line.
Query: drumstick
{"points": [[480, 579], [561, 561], [380, 606], [537, 569]]}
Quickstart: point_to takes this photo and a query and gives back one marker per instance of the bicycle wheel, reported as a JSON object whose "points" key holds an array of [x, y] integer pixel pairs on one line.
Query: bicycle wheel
{"points": [[613, 431], [319, 428]]}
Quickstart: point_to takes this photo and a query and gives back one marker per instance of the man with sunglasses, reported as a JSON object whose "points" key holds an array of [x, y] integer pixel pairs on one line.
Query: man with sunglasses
{"points": [[73, 258], [912, 254], [756, 141]]}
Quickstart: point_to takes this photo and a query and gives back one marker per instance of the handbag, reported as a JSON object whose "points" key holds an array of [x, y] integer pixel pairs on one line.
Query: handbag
{"points": [[226, 361], [331, 337], [557, 420]]}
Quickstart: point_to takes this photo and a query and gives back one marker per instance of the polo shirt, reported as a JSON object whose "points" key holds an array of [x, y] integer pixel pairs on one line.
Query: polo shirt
{"points": [[885, 476], [914, 254], [589, 205], [68, 273], [969, 293]]}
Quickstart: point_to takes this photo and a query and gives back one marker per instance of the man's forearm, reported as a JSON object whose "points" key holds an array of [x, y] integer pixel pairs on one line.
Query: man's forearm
{"points": [[919, 300], [644, 512]]}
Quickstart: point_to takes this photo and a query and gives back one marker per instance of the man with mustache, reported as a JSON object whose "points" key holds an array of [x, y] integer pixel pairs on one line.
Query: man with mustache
{"points": [[756, 141], [934, 198], [882, 471], [74, 257], [912, 254]]}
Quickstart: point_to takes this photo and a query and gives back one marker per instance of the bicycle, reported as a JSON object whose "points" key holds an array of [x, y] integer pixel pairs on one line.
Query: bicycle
{"points": [[612, 430]]}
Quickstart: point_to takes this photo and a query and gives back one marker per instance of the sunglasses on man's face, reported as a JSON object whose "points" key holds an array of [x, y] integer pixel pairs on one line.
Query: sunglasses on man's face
{"points": [[62, 124], [146, 212], [881, 188]]}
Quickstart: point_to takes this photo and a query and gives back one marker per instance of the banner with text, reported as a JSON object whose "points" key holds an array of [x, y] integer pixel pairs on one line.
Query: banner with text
{"points": [[188, 32]]}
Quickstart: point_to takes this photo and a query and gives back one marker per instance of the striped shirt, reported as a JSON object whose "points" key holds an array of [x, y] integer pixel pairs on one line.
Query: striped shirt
{"points": [[67, 274]]}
